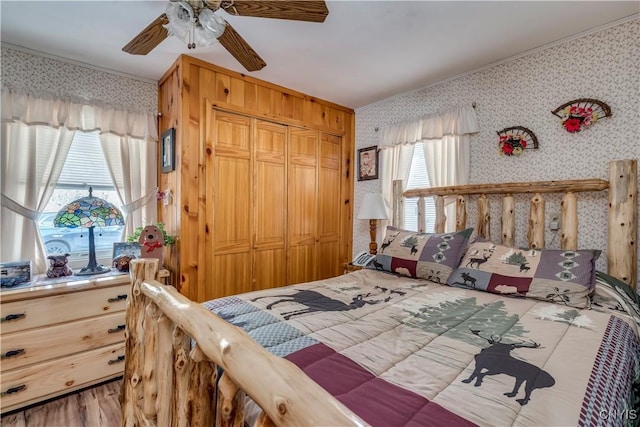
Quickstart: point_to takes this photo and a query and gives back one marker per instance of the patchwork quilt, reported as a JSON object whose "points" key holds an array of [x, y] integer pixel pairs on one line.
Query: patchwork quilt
{"points": [[400, 351]]}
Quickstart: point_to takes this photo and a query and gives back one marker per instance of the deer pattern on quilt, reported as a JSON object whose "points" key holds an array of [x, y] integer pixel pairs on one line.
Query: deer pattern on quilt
{"points": [[316, 302], [497, 359]]}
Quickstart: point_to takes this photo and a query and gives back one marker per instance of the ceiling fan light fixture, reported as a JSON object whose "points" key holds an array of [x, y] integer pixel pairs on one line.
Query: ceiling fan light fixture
{"points": [[180, 14], [203, 38], [211, 22], [199, 28], [181, 21]]}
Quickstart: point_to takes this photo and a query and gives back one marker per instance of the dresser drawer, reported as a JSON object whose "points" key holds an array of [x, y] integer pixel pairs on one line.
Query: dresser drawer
{"points": [[55, 377], [36, 345], [32, 313]]}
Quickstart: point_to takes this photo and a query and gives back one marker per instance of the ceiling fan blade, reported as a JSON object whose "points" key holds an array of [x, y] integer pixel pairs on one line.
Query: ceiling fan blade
{"points": [[311, 10], [148, 38], [240, 49]]}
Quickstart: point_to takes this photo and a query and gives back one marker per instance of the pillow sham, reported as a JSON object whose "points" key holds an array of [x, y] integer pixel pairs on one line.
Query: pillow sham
{"points": [[562, 276], [421, 255]]}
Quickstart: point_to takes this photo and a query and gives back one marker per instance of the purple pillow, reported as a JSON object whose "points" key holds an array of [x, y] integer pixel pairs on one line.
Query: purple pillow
{"points": [[421, 255], [557, 275]]}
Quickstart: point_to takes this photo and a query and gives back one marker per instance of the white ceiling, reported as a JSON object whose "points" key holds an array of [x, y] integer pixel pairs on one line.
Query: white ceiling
{"points": [[365, 51]]}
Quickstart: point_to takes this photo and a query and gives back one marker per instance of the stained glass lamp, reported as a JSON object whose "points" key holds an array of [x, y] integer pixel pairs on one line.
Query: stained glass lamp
{"points": [[89, 212]]}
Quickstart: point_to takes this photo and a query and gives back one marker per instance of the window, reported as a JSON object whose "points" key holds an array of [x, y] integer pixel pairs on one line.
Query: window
{"points": [[84, 167], [419, 178]]}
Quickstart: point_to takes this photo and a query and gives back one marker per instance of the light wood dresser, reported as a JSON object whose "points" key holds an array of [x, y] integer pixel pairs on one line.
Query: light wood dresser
{"points": [[60, 337]]}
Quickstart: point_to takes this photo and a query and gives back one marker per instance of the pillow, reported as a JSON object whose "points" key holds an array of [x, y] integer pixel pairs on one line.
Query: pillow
{"points": [[562, 276], [421, 255]]}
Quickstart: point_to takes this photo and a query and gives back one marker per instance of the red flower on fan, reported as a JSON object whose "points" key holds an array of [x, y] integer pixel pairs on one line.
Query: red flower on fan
{"points": [[574, 118], [572, 124], [511, 144]]}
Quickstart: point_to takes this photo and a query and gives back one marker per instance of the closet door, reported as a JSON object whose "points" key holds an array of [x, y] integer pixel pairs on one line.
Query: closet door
{"points": [[303, 197], [270, 206], [329, 209], [228, 220]]}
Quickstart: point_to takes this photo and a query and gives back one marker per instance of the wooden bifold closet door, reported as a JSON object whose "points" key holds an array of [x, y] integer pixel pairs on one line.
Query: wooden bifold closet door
{"points": [[272, 204], [229, 202], [329, 219]]}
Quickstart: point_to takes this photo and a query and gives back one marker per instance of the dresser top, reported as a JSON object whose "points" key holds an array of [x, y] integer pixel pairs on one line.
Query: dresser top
{"points": [[42, 286]]}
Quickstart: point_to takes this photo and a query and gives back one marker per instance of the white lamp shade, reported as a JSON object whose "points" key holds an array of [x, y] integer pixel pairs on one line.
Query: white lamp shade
{"points": [[373, 207]]}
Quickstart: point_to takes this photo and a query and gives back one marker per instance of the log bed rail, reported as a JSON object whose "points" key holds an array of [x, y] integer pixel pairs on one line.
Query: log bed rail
{"points": [[623, 216], [169, 382]]}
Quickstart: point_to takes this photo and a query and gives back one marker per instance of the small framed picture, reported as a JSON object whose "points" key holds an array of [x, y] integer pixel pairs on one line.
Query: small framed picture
{"points": [[368, 163], [14, 273], [126, 248], [168, 149]]}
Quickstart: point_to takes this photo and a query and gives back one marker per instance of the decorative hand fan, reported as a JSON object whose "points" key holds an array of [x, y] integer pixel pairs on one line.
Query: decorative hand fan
{"points": [[581, 113], [196, 23], [515, 139]]}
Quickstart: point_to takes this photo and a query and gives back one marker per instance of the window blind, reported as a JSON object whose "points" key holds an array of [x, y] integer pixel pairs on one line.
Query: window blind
{"points": [[85, 165], [419, 178]]}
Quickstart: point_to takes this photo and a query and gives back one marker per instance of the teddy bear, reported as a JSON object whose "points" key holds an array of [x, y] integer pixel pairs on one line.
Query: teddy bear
{"points": [[151, 243], [58, 267], [121, 263]]}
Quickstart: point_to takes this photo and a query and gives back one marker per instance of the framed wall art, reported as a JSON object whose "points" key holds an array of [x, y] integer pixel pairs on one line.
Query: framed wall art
{"points": [[168, 149], [15, 273], [127, 248], [368, 163]]}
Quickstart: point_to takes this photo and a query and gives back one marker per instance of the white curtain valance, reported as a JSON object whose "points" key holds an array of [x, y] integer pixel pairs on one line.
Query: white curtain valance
{"points": [[455, 121], [76, 115], [400, 134]]}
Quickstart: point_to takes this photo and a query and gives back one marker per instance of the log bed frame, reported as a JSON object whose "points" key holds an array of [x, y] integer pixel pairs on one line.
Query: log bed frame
{"points": [[170, 382]]}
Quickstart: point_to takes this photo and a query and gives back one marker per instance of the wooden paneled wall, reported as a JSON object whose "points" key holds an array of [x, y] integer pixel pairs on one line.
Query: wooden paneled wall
{"points": [[186, 91]]}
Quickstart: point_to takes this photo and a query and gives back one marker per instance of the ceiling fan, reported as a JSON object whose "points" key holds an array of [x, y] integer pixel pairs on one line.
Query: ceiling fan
{"points": [[197, 24]]}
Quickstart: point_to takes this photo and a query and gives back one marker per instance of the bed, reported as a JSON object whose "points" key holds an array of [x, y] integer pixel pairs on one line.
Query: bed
{"points": [[444, 329]]}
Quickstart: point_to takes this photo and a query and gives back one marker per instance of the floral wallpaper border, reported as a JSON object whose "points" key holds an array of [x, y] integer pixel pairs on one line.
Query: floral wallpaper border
{"points": [[22, 70]]}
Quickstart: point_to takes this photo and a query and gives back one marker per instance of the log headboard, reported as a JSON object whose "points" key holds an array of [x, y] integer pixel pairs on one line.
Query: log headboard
{"points": [[622, 186]]}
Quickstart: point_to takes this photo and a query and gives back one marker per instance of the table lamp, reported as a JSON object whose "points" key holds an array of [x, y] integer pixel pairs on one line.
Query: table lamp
{"points": [[373, 208], [89, 212]]}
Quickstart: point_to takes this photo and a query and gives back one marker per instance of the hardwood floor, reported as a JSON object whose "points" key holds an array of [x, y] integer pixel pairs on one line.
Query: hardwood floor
{"points": [[93, 407]]}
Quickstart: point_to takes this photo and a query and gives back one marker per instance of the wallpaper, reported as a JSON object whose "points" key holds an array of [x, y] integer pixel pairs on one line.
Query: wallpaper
{"points": [[21, 70], [604, 65]]}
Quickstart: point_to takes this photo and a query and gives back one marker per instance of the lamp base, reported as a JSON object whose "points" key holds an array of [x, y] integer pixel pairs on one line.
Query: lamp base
{"points": [[373, 245], [93, 267], [89, 270]]}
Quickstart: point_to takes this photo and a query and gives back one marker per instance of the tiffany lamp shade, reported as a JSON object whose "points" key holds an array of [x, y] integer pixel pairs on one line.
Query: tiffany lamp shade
{"points": [[89, 212]]}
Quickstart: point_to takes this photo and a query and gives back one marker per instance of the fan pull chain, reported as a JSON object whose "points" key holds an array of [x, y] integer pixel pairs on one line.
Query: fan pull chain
{"points": [[192, 44]]}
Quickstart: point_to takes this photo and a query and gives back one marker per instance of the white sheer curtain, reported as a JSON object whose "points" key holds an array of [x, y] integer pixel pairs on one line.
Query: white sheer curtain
{"points": [[132, 163], [37, 130], [32, 159], [395, 164], [445, 136], [447, 161]]}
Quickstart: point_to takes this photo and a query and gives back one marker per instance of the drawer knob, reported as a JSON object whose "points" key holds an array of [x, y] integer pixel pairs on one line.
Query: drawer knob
{"points": [[12, 353], [116, 360], [13, 317], [13, 390], [118, 298], [116, 329]]}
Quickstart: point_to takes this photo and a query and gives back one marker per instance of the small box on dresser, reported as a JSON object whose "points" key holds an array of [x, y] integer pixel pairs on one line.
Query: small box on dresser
{"points": [[61, 337]]}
